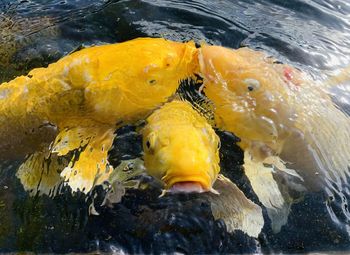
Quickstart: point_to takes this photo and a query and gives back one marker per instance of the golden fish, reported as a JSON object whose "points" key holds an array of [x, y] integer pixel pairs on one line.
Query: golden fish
{"points": [[277, 111], [279, 114], [86, 95], [181, 147], [182, 150]]}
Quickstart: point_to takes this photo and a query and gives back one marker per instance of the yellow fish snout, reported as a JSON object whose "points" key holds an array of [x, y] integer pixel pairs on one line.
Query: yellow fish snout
{"points": [[181, 149], [188, 166]]}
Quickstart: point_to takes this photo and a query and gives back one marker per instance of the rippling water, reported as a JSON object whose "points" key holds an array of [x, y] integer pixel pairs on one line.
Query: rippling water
{"points": [[311, 35]]}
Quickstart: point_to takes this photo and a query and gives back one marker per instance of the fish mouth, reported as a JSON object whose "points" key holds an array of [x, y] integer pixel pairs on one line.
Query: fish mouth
{"points": [[190, 183], [187, 187]]}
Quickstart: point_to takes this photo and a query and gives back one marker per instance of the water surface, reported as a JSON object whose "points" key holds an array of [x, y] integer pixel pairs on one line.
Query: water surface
{"points": [[313, 35]]}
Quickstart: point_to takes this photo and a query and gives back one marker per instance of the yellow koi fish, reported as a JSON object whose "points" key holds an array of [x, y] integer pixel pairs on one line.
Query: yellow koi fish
{"points": [[182, 150], [65, 116], [279, 114], [70, 109]]}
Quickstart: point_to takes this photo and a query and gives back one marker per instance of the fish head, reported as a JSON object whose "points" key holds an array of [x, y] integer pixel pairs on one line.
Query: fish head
{"points": [[160, 69], [181, 149], [251, 96], [130, 79]]}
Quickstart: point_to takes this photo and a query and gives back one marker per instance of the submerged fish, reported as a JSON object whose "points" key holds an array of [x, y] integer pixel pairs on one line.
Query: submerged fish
{"points": [[181, 148], [17, 34], [277, 111], [65, 116], [70, 109], [289, 127]]}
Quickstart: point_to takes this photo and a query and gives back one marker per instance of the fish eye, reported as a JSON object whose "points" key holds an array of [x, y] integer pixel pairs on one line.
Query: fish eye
{"points": [[149, 142], [252, 84], [148, 147]]}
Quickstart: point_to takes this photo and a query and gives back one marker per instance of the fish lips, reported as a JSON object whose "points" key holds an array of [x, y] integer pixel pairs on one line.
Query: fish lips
{"points": [[186, 187]]}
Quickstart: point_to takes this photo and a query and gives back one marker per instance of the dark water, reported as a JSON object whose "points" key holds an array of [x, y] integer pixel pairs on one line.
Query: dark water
{"points": [[311, 35]]}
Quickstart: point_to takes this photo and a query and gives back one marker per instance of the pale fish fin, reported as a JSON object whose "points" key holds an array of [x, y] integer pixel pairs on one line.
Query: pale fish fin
{"points": [[342, 77], [290, 183], [325, 144], [123, 177], [266, 188], [299, 155], [235, 209], [330, 138], [40, 173], [71, 139], [89, 148], [279, 164]]}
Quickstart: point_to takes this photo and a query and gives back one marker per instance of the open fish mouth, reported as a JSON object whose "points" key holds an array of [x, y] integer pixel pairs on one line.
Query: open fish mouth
{"points": [[187, 187]]}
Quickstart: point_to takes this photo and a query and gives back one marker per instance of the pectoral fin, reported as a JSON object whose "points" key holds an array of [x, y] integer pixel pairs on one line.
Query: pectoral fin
{"points": [[235, 209], [271, 194], [89, 149], [122, 178], [40, 173]]}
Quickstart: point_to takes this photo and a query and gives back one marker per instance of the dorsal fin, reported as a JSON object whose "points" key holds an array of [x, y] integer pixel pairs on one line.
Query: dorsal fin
{"points": [[190, 91]]}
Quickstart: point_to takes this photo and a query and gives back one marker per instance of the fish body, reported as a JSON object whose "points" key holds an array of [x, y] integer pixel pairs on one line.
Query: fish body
{"points": [[277, 111], [81, 99], [284, 120], [181, 147], [108, 84], [66, 115]]}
